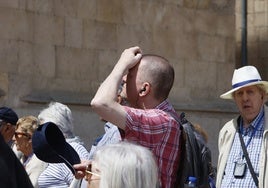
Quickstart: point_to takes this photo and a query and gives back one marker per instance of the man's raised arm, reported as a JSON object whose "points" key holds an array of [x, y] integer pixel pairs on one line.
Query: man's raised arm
{"points": [[105, 102]]}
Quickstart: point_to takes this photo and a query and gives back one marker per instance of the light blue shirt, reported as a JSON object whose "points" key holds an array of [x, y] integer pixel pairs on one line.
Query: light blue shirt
{"points": [[236, 153]]}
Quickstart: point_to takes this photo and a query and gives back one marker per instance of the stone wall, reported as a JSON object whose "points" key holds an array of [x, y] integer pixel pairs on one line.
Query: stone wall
{"points": [[61, 50], [257, 35]]}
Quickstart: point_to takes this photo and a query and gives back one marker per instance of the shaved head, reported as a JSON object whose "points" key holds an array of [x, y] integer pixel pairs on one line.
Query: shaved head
{"points": [[159, 73]]}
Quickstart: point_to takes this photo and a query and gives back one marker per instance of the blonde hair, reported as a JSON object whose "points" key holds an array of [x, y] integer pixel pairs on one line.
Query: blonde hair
{"points": [[28, 124]]}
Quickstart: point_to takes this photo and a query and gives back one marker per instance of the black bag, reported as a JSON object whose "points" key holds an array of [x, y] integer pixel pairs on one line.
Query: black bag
{"points": [[195, 157]]}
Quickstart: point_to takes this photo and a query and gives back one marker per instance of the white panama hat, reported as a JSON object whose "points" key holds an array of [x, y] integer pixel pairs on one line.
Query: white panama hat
{"points": [[243, 77]]}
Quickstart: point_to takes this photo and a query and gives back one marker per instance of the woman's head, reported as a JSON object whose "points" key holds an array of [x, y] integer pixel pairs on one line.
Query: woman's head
{"points": [[60, 115], [124, 165], [25, 128]]}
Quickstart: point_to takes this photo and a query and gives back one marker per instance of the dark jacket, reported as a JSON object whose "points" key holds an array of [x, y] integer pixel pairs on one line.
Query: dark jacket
{"points": [[12, 173]]}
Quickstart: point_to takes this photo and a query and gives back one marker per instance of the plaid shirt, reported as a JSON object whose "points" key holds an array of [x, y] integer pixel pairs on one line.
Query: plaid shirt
{"points": [[157, 130], [253, 148]]}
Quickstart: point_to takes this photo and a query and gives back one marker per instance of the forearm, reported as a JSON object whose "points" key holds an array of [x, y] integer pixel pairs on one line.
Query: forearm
{"points": [[108, 91], [105, 102]]}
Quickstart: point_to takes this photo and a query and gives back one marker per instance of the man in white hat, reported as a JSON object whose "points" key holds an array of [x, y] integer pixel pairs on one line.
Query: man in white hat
{"points": [[250, 127]]}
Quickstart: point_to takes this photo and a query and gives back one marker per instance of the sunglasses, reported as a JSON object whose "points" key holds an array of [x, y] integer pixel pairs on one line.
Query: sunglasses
{"points": [[19, 134], [89, 173]]}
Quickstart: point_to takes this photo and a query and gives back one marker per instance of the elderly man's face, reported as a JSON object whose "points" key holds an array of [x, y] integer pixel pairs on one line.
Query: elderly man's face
{"points": [[249, 101]]}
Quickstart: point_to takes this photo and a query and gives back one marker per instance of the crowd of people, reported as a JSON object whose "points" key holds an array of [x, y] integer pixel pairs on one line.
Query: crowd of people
{"points": [[141, 146]]}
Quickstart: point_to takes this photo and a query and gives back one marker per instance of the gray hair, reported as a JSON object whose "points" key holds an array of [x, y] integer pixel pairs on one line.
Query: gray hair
{"points": [[126, 165], [59, 114]]}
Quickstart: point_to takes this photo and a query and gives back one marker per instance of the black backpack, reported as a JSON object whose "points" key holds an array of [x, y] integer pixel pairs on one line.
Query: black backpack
{"points": [[195, 157]]}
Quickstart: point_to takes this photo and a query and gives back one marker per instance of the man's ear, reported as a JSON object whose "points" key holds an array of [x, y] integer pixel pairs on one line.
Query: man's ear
{"points": [[145, 88], [142, 90]]}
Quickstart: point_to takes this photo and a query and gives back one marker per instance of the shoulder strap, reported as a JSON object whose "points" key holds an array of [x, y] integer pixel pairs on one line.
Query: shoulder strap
{"points": [[248, 160]]}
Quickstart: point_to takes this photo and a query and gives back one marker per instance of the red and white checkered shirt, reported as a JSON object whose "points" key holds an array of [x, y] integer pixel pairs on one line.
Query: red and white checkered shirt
{"points": [[158, 130]]}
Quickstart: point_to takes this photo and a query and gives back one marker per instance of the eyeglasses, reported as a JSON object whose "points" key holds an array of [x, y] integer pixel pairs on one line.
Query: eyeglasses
{"points": [[18, 134], [89, 173]]}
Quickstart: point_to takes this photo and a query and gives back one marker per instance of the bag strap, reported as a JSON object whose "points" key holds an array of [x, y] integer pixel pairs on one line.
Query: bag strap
{"points": [[248, 160]]}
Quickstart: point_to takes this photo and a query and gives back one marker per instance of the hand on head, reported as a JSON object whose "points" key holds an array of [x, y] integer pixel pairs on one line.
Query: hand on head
{"points": [[130, 57]]}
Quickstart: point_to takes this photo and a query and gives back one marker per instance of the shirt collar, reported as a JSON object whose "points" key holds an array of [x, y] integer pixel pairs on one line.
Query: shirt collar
{"points": [[163, 105], [258, 119]]}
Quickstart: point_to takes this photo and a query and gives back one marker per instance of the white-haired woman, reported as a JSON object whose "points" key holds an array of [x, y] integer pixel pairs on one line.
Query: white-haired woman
{"points": [[58, 174], [121, 165]]}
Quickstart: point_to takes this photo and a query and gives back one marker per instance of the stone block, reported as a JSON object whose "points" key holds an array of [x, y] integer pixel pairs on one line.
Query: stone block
{"points": [[178, 94], [230, 50], [146, 15], [204, 22], [45, 61], [128, 36], [99, 35], [106, 62], [16, 24], [263, 33], [19, 85], [73, 32], [48, 30], [260, 6], [238, 35], [224, 76], [214, 50], [107, 13], [9, 3], [251, 20], [87, 9], [212, 23], [4, 84], [44, 6], [200, 75], [38, 6], [253, 51], [250, 6], [238, 21], [196, 4], [26, 58], [260, 19], [179, 69], [263, 46], [76, 64], [9, 56], [225, 25], [252, 34], [175, 43], [66, 8]]}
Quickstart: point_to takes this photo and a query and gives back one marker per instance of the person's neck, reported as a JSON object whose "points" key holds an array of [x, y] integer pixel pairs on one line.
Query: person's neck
{"points": [[150, 104], [246, 125]]}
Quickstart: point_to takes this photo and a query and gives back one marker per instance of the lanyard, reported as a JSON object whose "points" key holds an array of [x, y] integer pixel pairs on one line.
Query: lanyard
{"points": [[258, 123]]}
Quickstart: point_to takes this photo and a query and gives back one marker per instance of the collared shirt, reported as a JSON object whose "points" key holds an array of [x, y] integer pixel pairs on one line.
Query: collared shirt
{"points": [[112, 135], [236, 153], [157, 130]]}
